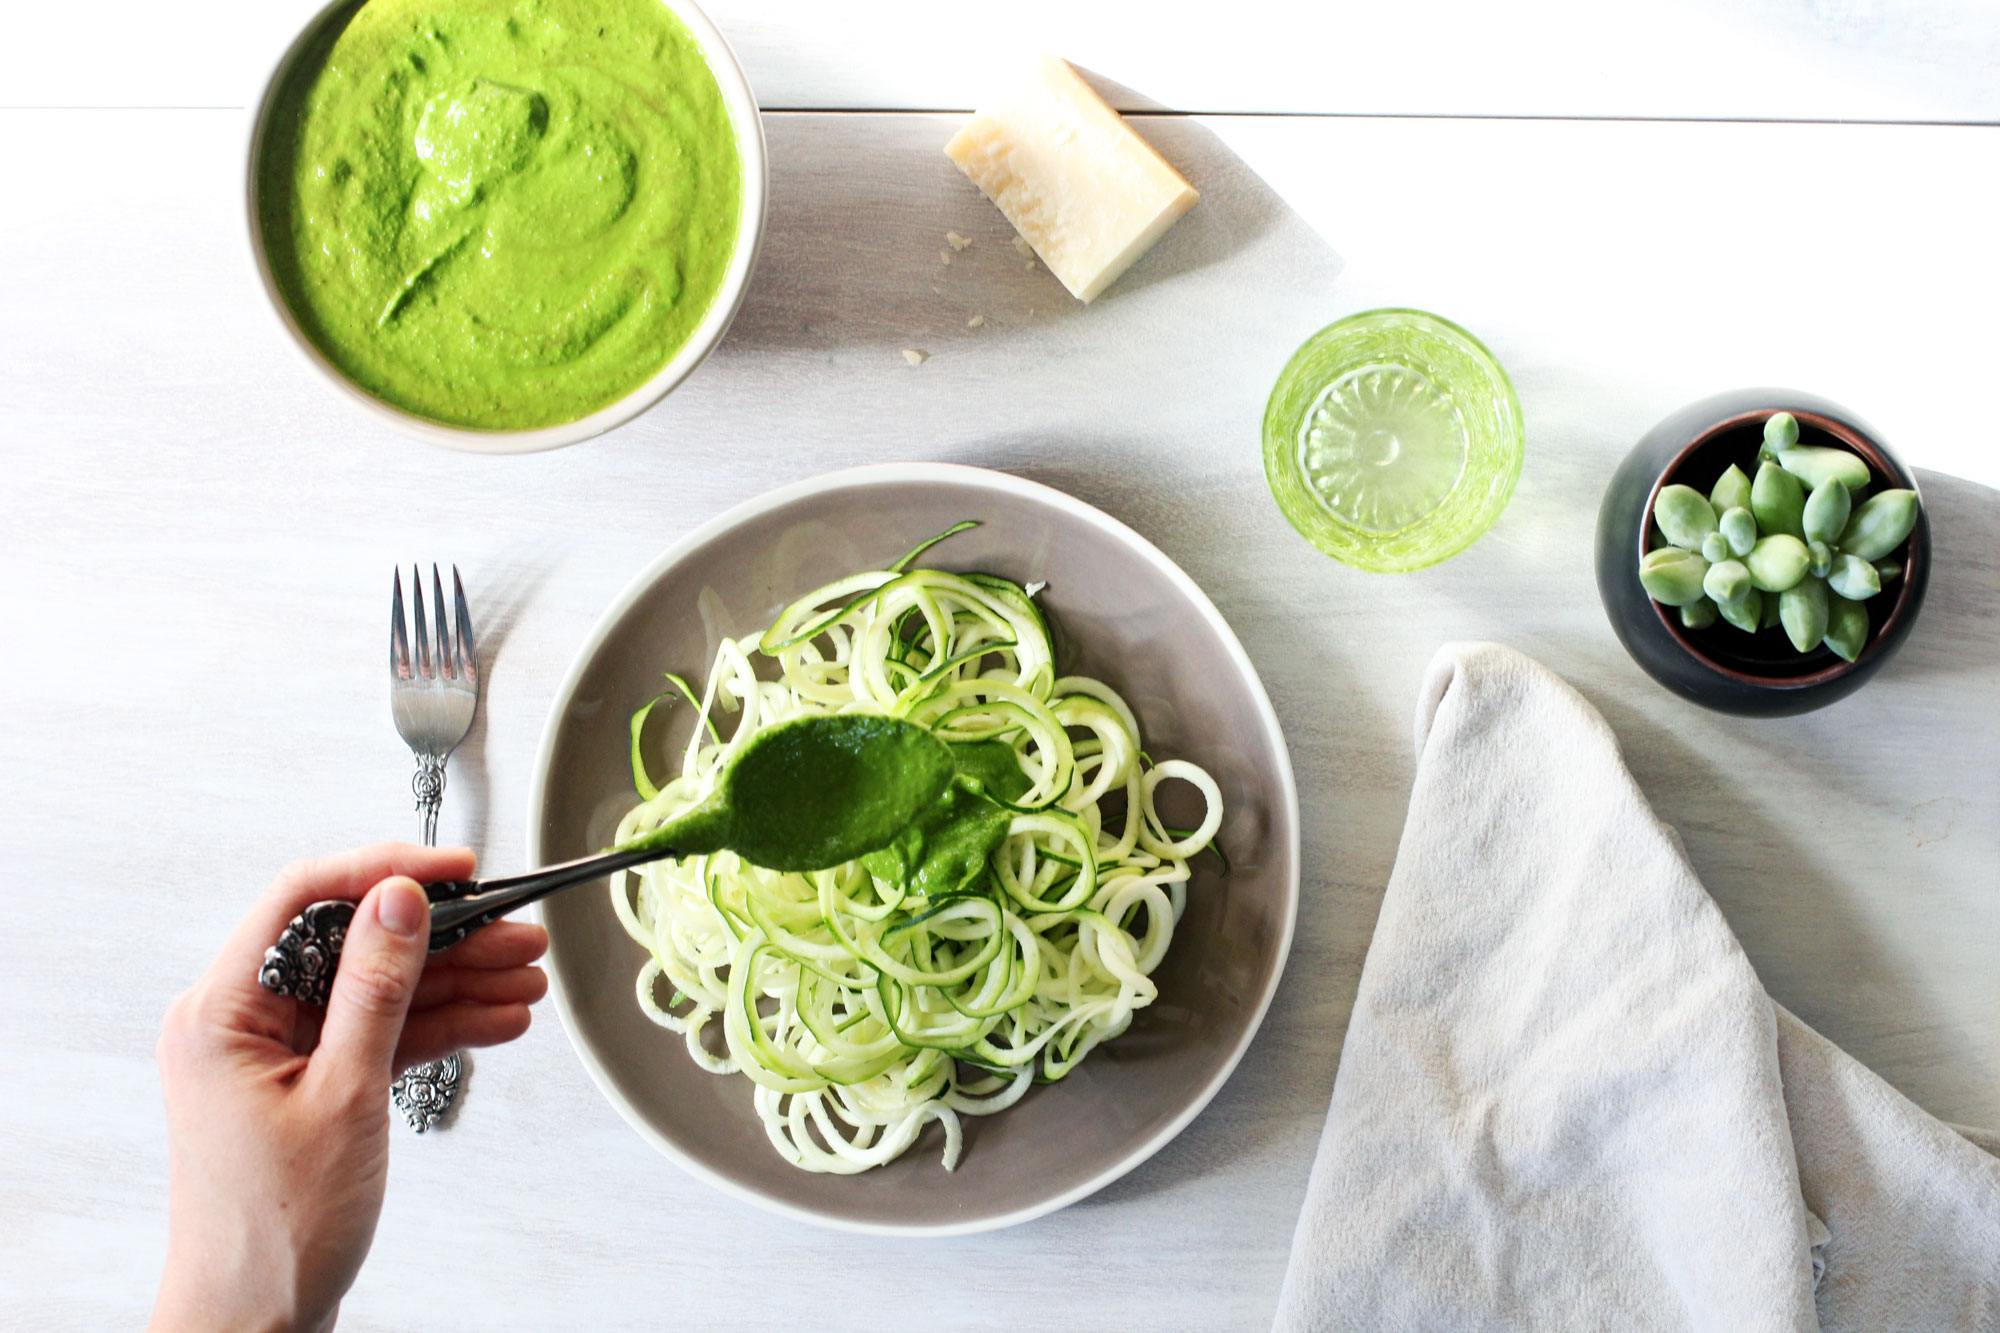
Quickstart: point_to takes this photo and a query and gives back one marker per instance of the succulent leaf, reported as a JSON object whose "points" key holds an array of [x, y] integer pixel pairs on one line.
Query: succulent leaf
{"points": [[1684, 515], [1777, 563], [1826, 510], [1854, 578], [1802, 610], [1739, 527], [1726, 580], [1822, 559], [1673, 576], [1778, 501], [1813, 465], [1698, 615], [1780, 432], [1731, 490], [1880, 524], [1747, 611], [1846, 626]]}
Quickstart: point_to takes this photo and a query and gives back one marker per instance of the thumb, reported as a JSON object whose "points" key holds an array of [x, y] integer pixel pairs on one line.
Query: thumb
{"points": [[379, 967]]}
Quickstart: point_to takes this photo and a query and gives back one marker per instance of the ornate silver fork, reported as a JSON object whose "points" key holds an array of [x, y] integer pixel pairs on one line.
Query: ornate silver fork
{"points": [[433, 700]]}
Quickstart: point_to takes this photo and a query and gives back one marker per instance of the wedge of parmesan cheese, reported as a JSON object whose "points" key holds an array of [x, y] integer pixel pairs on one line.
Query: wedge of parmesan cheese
{"points": [[1089, 195]]}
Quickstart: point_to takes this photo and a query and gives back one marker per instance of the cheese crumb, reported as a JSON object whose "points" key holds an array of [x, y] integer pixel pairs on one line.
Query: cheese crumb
{"points": [[976, 322], [956, 241], [914, 357], [1086, 193], [1023, 249], [944, 256]]}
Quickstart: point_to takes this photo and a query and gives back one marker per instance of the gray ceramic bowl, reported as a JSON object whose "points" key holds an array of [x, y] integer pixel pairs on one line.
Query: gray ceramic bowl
{"points": [[1129, 616]]}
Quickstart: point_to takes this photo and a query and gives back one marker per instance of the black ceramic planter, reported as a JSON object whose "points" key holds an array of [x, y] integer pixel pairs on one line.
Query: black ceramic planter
{"points": [[1721, 667]]}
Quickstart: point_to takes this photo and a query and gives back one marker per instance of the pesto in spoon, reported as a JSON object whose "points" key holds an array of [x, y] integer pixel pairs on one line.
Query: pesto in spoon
{"points": [[802, 795]]}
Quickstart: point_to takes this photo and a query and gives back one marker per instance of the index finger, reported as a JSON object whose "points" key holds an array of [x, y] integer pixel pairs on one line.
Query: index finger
{"points": [[344, 875]]}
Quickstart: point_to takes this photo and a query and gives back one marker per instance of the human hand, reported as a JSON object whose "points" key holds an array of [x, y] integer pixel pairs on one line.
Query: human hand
{"points": [[278, 1118]]}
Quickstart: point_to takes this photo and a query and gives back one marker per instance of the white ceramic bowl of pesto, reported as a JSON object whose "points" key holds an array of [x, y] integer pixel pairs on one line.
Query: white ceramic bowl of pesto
{"points": [[1125, 614], [741, 106]]}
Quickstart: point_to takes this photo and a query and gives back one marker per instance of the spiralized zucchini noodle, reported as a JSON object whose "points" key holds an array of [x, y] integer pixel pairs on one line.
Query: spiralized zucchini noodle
{"points": [[863, 1009]]}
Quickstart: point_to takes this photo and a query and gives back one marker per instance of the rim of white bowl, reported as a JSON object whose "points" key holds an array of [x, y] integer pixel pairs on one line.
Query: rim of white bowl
{"points": [[972, 478], [749, 123]]}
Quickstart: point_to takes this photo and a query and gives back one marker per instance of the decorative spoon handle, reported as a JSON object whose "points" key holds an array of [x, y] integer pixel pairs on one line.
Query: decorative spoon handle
{"points": [[307, 954]]}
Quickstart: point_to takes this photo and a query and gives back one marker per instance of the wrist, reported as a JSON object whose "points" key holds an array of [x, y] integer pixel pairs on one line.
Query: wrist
{"points": [[211, 1287], [197, 1307]]}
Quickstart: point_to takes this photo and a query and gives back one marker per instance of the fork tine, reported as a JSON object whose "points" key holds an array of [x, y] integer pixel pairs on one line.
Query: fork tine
{"points": [[468, 651], [399, 638], [443, 625], [423, 637]]}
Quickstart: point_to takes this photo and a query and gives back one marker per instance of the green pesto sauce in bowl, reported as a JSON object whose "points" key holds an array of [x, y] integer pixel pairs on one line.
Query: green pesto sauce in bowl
{"points": [[500, 214]]}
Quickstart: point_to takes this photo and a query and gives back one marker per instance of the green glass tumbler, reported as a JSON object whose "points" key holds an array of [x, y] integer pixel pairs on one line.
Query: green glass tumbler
{"points": [[1393, 440]]}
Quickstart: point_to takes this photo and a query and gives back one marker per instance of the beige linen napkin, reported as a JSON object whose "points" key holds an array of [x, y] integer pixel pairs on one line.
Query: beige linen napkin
{"points": [[1564, 1100]]}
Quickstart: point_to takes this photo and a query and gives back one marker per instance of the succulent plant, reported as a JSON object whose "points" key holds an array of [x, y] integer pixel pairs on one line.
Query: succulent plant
{"points": [[1797, 546]]}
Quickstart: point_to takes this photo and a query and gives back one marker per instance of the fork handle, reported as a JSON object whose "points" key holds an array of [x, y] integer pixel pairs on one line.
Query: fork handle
{"points": [[428, 784], [307, 954]]}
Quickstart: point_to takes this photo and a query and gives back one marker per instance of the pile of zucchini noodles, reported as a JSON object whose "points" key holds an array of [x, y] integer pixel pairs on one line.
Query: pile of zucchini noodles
{"points": [[861, 1011]]}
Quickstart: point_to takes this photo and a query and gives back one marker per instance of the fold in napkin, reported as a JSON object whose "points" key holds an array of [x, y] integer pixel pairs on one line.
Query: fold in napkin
{"points": [[1565, 1102]]}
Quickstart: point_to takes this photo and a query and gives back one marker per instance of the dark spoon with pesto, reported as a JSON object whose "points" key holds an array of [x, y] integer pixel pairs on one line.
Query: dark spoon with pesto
{"points": [[803, 795]]}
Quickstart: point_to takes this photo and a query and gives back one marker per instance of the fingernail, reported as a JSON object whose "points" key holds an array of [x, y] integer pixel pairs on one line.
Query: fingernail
{"points": [[399, 906]]}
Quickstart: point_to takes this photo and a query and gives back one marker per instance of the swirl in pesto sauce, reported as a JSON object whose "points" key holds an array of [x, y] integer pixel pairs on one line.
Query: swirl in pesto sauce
{"points": [[501, 214]]}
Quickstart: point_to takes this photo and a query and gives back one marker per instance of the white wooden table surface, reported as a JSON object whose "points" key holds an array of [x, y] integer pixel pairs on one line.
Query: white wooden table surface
{"points": [[197, 540]]}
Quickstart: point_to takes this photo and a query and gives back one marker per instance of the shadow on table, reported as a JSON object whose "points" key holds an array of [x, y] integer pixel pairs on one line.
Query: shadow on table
{"points": [[856, 254], [1802, 907], [1957, 636], [498, 596]]}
